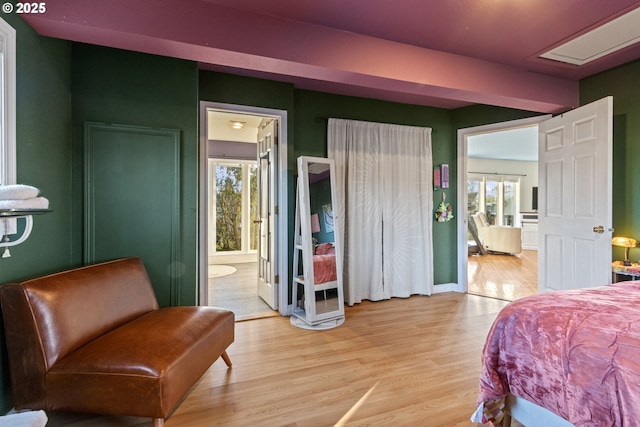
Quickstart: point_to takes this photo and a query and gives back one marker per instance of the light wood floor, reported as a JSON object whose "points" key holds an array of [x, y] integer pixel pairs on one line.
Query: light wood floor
{"points": [[238, 292], [401, 362], [506, 277]]}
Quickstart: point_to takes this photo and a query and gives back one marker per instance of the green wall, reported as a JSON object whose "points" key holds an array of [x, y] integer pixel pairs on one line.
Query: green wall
{"points": [[43, 104], [622, 84], [43, 147], [129, 88], [480, 115]]}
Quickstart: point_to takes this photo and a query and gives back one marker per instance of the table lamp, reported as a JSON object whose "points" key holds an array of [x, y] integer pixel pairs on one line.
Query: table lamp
{"points": [[626, 243]]}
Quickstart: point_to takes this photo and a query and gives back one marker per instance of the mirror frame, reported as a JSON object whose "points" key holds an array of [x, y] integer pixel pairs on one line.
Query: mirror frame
{"points": [[310, 287]]}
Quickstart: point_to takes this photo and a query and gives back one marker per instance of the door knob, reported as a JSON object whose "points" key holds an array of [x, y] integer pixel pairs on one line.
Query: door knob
{"points": [[599, 229]]}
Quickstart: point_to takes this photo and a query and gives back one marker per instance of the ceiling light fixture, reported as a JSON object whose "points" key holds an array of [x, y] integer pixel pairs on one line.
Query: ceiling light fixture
{"points": [[234, 124]]}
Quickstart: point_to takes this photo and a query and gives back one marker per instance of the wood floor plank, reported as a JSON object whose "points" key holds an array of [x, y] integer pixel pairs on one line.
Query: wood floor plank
{"points": [[502, 276], [401, 362]]}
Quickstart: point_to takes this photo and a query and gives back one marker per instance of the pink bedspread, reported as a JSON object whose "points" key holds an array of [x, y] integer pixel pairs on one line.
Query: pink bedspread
{"points": [[324, 268], [575, 353]]}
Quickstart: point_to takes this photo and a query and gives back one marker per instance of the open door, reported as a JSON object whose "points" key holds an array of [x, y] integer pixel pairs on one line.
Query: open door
{"points": [[267, 211], [575, 200]]}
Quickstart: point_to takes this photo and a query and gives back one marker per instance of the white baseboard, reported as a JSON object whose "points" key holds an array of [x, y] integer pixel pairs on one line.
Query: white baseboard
{"points": [[445, 287], [437, 289]]}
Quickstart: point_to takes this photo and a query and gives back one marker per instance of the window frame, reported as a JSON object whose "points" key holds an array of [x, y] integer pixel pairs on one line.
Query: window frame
{"points": [[246, 220], [8, 104], [500, 179]]}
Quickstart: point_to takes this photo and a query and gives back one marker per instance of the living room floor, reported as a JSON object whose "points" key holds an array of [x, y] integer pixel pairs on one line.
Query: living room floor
{"points": [[507, 277]]}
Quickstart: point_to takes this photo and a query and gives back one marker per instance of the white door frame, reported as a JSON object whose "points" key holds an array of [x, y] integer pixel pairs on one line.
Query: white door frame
{"points": [[463, 135], [283, 225]]}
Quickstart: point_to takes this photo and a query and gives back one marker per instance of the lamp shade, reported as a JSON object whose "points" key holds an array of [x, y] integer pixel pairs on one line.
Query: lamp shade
{"points": [[315, 223], [625, 242]]}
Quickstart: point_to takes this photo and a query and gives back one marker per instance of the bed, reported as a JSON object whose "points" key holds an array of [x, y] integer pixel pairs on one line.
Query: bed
{"points": [[324, 264], [573, 355]]}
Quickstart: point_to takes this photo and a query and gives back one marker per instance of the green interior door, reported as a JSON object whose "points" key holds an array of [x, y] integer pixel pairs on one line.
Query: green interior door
{"points": [[132, 200]]}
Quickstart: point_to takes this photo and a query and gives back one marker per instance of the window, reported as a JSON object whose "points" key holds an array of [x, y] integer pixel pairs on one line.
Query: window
{"points": [[7, 103], [233, 196], [498, 196]]}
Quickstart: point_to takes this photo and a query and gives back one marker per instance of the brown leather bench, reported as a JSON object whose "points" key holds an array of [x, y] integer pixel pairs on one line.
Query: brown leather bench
{"points": [[94, 340]]}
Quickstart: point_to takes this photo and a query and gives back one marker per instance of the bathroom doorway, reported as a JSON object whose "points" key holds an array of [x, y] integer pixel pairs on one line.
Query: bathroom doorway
{"points": [[233, 231]]}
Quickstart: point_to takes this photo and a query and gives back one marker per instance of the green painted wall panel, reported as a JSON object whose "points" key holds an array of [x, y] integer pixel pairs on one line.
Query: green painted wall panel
{"points": [[129, 88], [480, 115], [232, 89], [132, 200], [622, 83]]}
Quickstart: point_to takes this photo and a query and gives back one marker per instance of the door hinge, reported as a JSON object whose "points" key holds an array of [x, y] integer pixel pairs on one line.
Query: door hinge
{"points": [[276, 211], [276, 279]]}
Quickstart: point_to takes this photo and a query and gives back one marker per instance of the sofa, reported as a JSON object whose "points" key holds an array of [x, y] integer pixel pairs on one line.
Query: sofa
{"points": [[496, 238], [93, 340]]}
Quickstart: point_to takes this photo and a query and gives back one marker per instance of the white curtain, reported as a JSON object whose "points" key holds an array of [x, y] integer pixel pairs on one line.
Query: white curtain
{"points": [[384, 178]]}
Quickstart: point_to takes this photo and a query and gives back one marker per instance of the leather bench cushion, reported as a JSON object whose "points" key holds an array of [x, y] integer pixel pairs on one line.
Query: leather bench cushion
{"points": [[143, 368]]}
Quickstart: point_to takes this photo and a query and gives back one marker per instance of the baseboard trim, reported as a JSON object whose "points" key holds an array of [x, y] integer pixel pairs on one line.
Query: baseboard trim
{"points": [[445, 287], [437, 289]]}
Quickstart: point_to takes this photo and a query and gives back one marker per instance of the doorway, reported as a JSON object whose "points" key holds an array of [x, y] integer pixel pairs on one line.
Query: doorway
{"points": [[497, 172], [232, 231], [230, 224]]}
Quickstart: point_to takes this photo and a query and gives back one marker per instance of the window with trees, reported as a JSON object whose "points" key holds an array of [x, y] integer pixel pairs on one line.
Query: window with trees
{"points": [[234, 198]]}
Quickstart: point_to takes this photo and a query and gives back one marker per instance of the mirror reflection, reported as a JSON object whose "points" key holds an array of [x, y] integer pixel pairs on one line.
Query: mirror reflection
{"points": [[322, 228]]}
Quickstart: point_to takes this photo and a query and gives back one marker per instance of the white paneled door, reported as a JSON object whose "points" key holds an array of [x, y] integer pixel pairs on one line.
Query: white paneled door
{"points": [[574, 211], [267, 211]]}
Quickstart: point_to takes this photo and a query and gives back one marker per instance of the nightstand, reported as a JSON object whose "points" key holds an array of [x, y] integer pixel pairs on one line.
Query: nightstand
{"points": [[619, 269]]}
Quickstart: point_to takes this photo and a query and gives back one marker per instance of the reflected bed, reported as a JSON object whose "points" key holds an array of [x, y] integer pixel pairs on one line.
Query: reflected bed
{"points": [[324, 264], [574, 353]]}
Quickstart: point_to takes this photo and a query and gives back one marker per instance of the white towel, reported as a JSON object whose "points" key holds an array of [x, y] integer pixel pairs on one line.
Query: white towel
{"points": [[18, 192], [33, 203], [24, 419]]}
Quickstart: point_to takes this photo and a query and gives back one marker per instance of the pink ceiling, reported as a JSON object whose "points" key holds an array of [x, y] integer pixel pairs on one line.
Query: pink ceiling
{"points": [[442, 53]]}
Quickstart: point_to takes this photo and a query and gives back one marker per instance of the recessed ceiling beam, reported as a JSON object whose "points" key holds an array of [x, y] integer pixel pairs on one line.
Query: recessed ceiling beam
{"points": [[312, 56]]}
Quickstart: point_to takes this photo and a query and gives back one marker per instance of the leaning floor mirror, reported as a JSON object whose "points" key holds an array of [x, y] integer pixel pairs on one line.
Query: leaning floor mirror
{"points": [[317, 260]]}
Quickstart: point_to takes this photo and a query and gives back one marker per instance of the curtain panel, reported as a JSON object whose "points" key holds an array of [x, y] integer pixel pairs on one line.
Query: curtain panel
{"points": [[384, 180]]}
